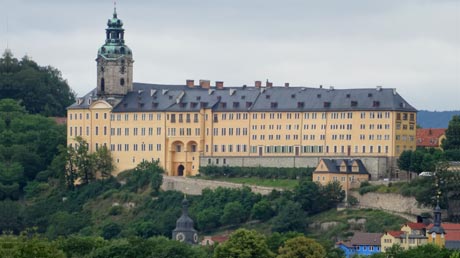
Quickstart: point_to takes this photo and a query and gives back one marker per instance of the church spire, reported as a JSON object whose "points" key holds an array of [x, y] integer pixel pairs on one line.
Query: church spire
{"points": [[114, 9], [184, 231], [114, 61]]}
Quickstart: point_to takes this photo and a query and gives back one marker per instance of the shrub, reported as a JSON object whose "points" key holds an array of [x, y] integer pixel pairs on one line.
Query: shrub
{"points": [[352, 201], [367, 189], [261, 172], [116, 210]]}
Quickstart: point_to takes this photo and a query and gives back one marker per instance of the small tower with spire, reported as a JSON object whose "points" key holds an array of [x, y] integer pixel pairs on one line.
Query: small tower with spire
{"points": [[436, 234], [184, 231], [114, 62]]}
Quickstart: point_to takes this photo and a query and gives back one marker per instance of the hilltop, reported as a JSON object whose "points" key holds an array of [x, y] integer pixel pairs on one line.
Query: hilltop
{"points": [[435, 119]]}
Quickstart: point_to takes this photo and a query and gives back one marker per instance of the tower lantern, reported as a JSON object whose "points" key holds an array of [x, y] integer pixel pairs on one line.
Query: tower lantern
{"points": [[114, 62]]}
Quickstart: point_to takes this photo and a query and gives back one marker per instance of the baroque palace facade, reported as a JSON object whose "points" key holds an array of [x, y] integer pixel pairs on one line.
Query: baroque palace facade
{"points": [[182, 126]]}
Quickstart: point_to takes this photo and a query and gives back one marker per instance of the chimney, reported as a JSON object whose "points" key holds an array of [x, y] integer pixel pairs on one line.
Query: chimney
{"points": [[258, 84], [190, 83], [286, 84], [219, 84], [205, 84], [269, 84], [320, 86]]}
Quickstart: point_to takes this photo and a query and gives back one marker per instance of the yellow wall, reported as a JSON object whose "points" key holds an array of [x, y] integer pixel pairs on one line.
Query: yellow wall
{"points": [[388, 241], [438, 240], [326, 134]]}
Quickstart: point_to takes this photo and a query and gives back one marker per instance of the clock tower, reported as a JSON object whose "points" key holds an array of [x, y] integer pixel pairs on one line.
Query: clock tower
{"points": [[114, 62], [184, 231]]}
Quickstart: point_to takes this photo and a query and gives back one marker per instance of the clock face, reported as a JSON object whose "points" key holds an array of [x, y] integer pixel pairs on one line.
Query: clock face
{"points": [[180, 237], [195, 238]]}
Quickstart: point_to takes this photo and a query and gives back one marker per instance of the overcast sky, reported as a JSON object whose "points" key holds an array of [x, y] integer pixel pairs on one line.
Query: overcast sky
{"points": [[413, 46]]}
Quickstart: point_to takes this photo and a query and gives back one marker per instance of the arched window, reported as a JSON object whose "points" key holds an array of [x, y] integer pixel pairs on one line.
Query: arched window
{"points": [[102, 85], [122, 81]]}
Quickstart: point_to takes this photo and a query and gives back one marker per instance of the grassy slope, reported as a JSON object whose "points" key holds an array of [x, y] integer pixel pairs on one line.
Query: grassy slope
{"points": [[278, 183]]}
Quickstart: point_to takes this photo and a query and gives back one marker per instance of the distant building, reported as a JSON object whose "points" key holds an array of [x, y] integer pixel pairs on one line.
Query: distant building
{"points": [[430, 137], [211, 240], [361, 244], [349, 172], [184, 231]]}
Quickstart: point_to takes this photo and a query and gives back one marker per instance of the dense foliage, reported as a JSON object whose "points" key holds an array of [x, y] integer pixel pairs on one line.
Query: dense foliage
{"points": [[42, 90], [451, 144], [28, 145], [260, 172]]}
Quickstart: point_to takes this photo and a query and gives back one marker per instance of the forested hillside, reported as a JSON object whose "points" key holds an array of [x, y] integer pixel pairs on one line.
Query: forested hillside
{"points": [[435, 119], [41, 89]]}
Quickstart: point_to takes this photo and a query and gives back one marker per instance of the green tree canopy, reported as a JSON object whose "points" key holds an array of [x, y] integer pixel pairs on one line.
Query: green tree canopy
{"points": [[41, 89], [301, 247], [244, 243]]}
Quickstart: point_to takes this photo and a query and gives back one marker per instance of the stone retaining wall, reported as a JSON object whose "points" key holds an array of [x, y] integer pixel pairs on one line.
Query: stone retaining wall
{"points": [[390, 202], [377, 166], [194, 186]]}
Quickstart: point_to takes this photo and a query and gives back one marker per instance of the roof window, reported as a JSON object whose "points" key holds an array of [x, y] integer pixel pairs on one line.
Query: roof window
{"points": [[327, 104]]}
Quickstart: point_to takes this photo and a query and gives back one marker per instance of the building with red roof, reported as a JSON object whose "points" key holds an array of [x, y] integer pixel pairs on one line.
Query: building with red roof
{"points": [[430, 137]]}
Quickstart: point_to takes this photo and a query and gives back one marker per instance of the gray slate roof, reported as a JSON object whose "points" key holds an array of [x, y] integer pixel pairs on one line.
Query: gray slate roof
{"points": [[360, 238], [333, 165], [158, 97]]}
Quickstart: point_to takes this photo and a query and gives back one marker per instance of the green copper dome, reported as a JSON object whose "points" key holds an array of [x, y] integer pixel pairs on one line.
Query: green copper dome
{"points": [[114, 46]]}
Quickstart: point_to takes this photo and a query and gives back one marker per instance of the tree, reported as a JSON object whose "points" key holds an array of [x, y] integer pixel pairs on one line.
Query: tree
{"points": [[452, 140], [111, 230], [41, 89], [103, 162], [290, 218], [244, 243], [232, 214], [83, 160], [208, 219], [331, 195], [262, 210], [307, 194], [300, 247]]}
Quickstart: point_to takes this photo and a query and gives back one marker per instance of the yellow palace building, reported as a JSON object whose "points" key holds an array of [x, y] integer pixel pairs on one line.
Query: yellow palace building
{"points": [[198, 124]]}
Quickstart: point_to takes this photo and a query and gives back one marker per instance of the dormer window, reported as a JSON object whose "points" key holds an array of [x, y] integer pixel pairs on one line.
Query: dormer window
{"points": [[274, 104], [354, 103], [348, 95], [154, 104], [318, 95], [327, 104], [170, 97], [182, 105], [223, 104], [300, 104], [292, 96], [369, 95], [376, 104], [267, 96], [236, 104], [193, 104], [198, 98], [204, 104], [248, 104]]}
